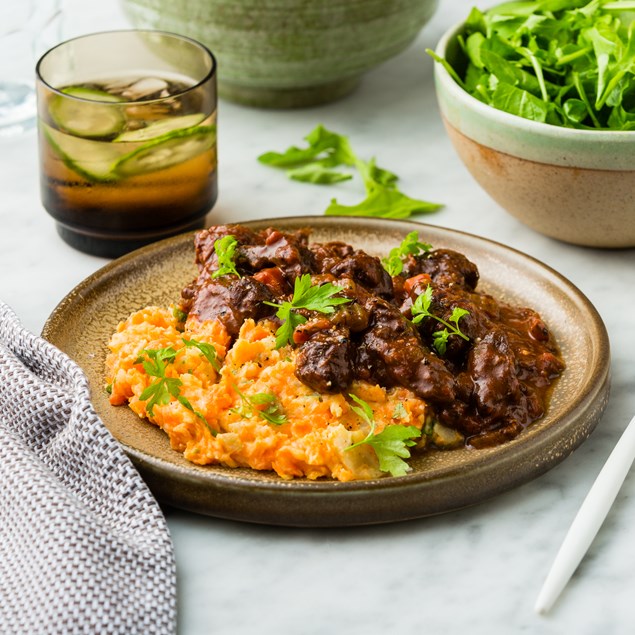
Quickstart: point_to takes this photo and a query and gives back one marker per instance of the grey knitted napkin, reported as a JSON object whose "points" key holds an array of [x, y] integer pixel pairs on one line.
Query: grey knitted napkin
{"points": [[84, 547]]}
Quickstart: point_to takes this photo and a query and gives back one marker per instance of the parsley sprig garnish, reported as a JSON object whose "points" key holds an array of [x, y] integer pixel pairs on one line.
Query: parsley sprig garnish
{"points": [[321, 298], [225, 249], [410, 245], [179, 314], [390, 445], [273, 412], [159, 392], [421, 310], [328, 150], [208, 351], [155, 364]]}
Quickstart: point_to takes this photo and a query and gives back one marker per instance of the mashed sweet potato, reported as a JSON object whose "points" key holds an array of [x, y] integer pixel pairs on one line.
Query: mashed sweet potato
{"points": [[217, 416]]}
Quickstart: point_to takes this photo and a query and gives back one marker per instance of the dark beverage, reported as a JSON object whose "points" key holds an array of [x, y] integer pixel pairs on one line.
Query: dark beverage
{"points": [[128, 160]]}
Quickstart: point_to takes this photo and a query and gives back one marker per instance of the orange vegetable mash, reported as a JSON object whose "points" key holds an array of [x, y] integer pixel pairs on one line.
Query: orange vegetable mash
{"points": [[223, 424]]}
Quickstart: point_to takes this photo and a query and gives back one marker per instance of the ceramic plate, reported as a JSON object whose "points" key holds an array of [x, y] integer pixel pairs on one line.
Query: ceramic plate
{"points": [[440, 481]]}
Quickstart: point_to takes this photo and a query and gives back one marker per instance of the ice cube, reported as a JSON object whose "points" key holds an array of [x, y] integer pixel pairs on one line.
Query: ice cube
{"points": [[145, 88]]}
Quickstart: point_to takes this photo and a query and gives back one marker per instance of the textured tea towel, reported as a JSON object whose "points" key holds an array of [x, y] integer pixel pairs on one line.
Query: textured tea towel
{"points": [[84, 547]]}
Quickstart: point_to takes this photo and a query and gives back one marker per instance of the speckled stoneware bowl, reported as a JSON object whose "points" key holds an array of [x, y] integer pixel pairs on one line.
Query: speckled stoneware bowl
{"points": [[289, 53], [574, 185]]}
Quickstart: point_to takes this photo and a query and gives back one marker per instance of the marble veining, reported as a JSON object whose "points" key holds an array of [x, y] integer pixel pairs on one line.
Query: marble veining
{"points": [[475, 571]]}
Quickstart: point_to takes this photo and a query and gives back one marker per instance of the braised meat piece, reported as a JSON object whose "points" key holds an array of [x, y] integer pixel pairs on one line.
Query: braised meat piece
{"points": [[288, 251], [205, 254], [445, 267], [231, 301], [341, 261], [391, 348], [324, 362], [256, 250]]}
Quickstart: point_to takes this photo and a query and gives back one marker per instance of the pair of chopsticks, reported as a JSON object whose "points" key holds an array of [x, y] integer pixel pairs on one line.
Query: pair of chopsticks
{"points": [[589, 519]]}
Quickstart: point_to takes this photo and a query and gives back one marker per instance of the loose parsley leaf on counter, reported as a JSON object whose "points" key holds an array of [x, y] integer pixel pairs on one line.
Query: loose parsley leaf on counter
{"points": [[328, 150], [564, 62], [390, 445], [421, 309], [319, 298], [225, 249]]}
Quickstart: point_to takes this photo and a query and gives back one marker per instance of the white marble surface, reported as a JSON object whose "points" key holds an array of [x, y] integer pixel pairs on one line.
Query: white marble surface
{"points": [[477, 571]]}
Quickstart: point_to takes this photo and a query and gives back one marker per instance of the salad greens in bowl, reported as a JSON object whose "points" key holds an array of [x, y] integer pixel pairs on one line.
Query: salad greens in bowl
{"points": [[538, 98]]}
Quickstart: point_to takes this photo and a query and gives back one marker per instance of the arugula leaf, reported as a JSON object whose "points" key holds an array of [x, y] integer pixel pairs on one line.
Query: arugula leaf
{"points": [[383, 202], [448, 67], [421, 309], [225, 249], [317, 172], [328, 150], [390, 445], [563, 62], [519, 102], [325, 146], [410, 245], [383, 199], [319, 298]]}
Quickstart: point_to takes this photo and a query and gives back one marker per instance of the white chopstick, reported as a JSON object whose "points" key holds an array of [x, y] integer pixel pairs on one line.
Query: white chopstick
{"points": [[589, 519]]}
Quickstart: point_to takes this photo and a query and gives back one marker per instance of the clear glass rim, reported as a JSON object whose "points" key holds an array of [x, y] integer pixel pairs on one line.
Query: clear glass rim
{"points": [[211, 73]]}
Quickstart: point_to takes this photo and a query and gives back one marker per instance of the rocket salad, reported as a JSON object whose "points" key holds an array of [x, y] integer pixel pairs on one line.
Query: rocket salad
{"points": [[564, 62]]}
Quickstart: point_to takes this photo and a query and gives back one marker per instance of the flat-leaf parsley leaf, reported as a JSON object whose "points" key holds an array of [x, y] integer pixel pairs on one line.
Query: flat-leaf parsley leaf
{"points": [[421, 309], [155, 362], [208, 351], [322, 298], [273, 412], [390, 445], [225, 249], [410, 245]]}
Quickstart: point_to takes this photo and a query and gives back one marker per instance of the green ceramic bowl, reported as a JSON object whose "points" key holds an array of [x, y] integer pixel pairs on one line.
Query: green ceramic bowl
{"points": [[574, 185], [289, 53]]}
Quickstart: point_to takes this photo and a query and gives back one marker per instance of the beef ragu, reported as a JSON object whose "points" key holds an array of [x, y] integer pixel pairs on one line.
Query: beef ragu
{"points": [[487, 385]]}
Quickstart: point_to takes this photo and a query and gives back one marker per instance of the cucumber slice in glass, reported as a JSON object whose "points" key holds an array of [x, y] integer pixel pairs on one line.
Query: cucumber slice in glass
{"points": [[167, 150], [92, 94], [87, 115], [93, 160], [161, 127]]}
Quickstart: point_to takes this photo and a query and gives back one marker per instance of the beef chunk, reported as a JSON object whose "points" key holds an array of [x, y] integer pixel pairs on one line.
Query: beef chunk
{"points": [[232, 301], [324, 362]]}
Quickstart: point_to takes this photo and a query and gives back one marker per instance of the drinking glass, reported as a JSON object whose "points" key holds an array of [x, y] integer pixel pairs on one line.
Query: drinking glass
{"points": [[127, 138], [27, 29]]}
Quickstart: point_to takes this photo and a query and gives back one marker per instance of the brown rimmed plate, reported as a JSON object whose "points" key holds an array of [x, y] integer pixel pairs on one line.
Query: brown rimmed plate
{"points": [[439, 482]]}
